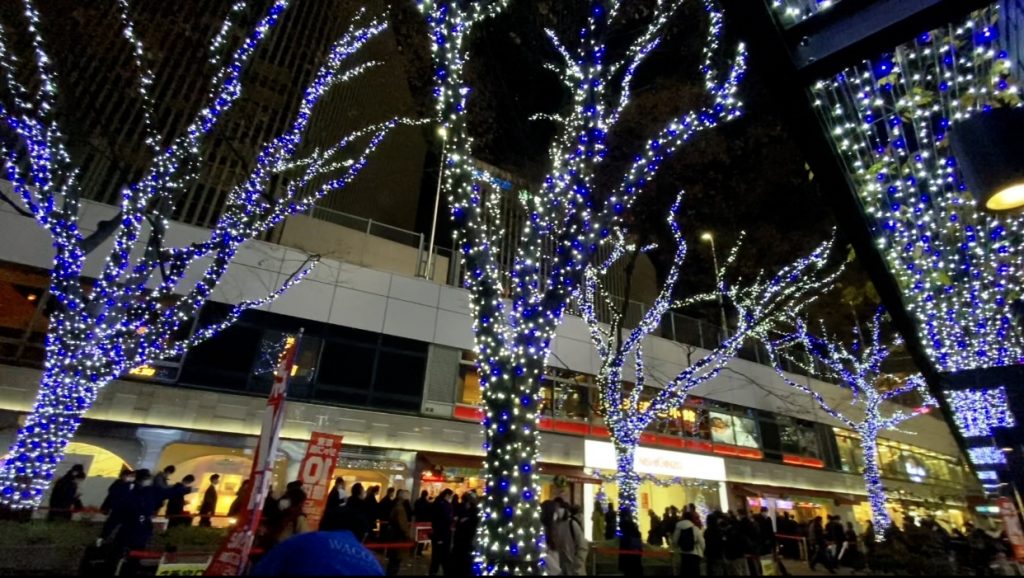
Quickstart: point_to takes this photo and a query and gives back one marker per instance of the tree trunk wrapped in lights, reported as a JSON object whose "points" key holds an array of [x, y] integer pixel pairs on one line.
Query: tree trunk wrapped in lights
{"points": [[857, 368], [142, 296], [760, 306], [569, 213]]}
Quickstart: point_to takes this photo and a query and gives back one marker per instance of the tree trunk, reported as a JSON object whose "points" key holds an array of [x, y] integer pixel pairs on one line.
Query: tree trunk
{"points": [[627, 479], [510, 540], [66, 392], [876, 493]]}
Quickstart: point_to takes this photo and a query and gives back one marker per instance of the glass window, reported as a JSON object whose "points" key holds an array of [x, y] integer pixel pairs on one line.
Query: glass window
{"points": [[733, 430], [469, 385], [889, 459], [799, 437], [850, 457]]}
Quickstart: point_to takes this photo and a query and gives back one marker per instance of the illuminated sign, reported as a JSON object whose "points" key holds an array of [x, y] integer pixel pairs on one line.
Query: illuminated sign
{"points": [[783, 504], [143, 371], [601, 456]]}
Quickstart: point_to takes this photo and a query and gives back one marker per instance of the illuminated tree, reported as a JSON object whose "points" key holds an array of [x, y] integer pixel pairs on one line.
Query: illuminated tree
{"points": [[567, 217], [759, 305], [146, 290], [858, 368]]}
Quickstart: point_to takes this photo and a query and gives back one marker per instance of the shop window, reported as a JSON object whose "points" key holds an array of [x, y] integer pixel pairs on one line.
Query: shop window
{"points": [[850, 457], [799, 437], [269, 355], [225, 360], [469, 385], [889, 460], [734, 430]]}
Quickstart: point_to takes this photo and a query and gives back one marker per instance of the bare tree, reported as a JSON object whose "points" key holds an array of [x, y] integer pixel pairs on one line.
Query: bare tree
{"points": [[147, 290], [857, 368], [760, 305], [567, 218]]}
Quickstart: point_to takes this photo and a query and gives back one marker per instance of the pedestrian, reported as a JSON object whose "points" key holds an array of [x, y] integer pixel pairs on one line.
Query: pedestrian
{"points": [[64, 495], [338, 495], [819, 545], [630, 545], [133, 520], [291, 520], [597, 521], [371, 509], [655, 536], [400, 531], [209, 506], [982, 549], [688, 540], [441, 534], [835, 535], [611, 525], [579, 538], [421, 515], [117, 490], [849, 554], [767, 533], [561, 537], [162, 481], [176, 516], [239, 502], [714, 545], [466, 525], [735, 547], [384, 510]]}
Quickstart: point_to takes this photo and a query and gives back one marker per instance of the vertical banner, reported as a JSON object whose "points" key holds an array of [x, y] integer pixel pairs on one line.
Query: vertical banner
{"points": [[1011, 524], [316, 473], [233, 556]]}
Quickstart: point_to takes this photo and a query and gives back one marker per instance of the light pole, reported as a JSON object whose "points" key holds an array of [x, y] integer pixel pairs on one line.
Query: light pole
{"points": [[708, 237], [429, 271]]}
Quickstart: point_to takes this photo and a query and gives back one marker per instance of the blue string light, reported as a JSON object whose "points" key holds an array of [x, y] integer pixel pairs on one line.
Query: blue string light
{"points": [[858, 368], [564, 226], [977, 412], [142, 296]]}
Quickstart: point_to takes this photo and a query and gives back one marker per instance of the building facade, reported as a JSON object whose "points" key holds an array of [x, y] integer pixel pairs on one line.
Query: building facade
{"points": [[387, 362]]}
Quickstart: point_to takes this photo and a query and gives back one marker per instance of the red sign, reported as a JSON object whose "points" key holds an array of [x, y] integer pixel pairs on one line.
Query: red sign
{"points": [[233, 556], [1011, 524], [316, 472]]}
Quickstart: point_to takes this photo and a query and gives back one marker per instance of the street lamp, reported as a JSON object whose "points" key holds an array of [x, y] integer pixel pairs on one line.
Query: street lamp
{"points": [[428, 272], [709, 238]]}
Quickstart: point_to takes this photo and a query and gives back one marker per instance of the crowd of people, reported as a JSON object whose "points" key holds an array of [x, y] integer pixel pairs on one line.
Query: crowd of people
{"points": [[722, 543]]}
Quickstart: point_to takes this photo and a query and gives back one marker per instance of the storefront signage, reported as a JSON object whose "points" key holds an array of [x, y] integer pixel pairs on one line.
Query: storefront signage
{"points": [[316, 474], [783, 504], [601, 456], [1011, 525]]}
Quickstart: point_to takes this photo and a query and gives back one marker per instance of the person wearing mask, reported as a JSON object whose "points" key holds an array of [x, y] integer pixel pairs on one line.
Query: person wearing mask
{"points": [[64, 496], [209, 506], [465, 535], [291, 520], [579, 538], [176, 516], [133, 519], [689, 541], [240, 498], [118, 490], [399, 531], [441, 534]]}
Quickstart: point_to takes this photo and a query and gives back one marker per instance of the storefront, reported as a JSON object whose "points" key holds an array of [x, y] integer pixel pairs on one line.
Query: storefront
{"points": [[802, 505], [373, 471], [669, 479], [437, 472]]}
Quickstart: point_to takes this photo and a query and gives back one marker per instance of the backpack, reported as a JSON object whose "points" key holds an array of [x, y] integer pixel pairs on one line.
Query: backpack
{"points": [[687, 540]]}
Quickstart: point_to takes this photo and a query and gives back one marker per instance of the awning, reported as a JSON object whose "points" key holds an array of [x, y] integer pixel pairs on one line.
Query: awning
{"points": [[438, 460], [572, 474], [753, 491]]}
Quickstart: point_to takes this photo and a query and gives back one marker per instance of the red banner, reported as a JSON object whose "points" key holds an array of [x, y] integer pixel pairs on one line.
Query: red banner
{"points": [[1011, 524], [316, 473], [233, 556]]}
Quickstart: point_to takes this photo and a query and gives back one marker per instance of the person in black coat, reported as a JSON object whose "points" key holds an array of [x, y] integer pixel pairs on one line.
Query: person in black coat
{"points": [[441, 534], [176, 502], [209, 505], [465, 534], [767, 533], [421, 510], [338, 495], [611, 524], [631, 542], [64, 496], [351, 515], [118, 490]]}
